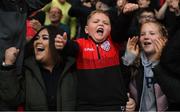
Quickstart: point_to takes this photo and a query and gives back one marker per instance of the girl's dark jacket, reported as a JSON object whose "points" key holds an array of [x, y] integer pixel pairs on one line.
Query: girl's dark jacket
{"points": [[29, 88], [135, 73]]}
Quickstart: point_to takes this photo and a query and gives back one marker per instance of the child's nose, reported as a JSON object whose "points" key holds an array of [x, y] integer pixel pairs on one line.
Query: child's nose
{"points": [[101, 23], [147, 36]]}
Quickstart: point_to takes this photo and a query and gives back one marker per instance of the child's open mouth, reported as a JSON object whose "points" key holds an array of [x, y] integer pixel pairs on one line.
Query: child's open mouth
{"points": [[100, 31], [147, 43]]}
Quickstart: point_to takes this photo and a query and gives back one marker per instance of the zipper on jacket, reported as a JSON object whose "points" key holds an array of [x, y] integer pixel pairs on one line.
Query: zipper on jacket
{"points": [[98, 51]]}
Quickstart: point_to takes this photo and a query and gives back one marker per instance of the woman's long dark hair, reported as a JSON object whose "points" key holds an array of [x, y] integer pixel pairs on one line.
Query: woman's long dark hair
{"points": [[53, 31]]}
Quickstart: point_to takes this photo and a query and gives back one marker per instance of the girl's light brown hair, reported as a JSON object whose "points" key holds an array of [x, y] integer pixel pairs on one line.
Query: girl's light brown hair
{"points": [[162, 29]]}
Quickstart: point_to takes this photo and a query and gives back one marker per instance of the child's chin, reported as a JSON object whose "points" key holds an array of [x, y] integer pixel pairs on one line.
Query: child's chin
{"points": [[99, 41]]}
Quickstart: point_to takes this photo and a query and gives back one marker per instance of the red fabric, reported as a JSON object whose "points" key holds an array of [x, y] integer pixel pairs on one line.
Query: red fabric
{"points": [[30, 31], [161, 2], [92, 56], [20, 108]]}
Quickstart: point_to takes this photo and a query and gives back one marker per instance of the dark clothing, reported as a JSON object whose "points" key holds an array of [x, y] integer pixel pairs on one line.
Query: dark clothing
{"points": [[81, 13], [65, 28], [134, 28], [168, 72], [137, 78], [170, 57], [100, 82], [51, 82], [172, 23], [30, 89], [170, 86], [120, 24], [13, 14]]}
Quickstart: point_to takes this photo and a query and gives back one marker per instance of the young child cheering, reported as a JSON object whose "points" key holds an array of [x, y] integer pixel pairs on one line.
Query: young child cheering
{"points": [[100, 83]]}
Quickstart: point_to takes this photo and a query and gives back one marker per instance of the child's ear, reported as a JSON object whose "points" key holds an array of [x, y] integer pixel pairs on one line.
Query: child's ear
{"points": [[86, 29]]}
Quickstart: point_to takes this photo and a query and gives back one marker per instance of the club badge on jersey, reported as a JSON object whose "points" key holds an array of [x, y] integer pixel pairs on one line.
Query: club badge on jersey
{"points": [[106, 46]]}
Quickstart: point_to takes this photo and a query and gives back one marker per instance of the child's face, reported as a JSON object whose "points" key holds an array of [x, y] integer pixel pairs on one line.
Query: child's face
{"points": [[98, 27], [149, 33]]}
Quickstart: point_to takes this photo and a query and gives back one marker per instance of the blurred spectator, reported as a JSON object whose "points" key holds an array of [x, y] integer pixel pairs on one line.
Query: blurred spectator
{"points": [[34, 23], [169, 13], [55, 15], [149, 6], [105, 4], [154, 4], [121, 17], [144, 15], [66, 19], [143, 3]]}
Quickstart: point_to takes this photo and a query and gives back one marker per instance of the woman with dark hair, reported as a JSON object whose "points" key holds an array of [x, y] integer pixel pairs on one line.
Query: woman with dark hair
{"points": [[47, 82]]}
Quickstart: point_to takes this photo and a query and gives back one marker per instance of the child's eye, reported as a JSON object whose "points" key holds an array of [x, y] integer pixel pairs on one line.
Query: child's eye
{"points": [[142, 34], [106, 23], [152, 33], [95, 21]]}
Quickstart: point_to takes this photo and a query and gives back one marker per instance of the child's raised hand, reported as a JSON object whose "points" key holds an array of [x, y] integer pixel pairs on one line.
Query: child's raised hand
{"points": [[158, 45], [11, 55], [132, 46], [60, 41]]}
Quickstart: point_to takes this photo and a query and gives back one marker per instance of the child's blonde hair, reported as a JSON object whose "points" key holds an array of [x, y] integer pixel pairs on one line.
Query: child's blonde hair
{"points": [[97, 11]]}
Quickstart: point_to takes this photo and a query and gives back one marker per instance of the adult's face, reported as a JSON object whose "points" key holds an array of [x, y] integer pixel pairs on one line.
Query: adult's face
{"points": [[55, 14], [146, 16], [173, 5], [41, 47]]}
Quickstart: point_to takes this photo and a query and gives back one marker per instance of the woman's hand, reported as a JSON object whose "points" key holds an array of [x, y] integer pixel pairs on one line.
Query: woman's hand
{"points": [[11, 55], [60, 41]]}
